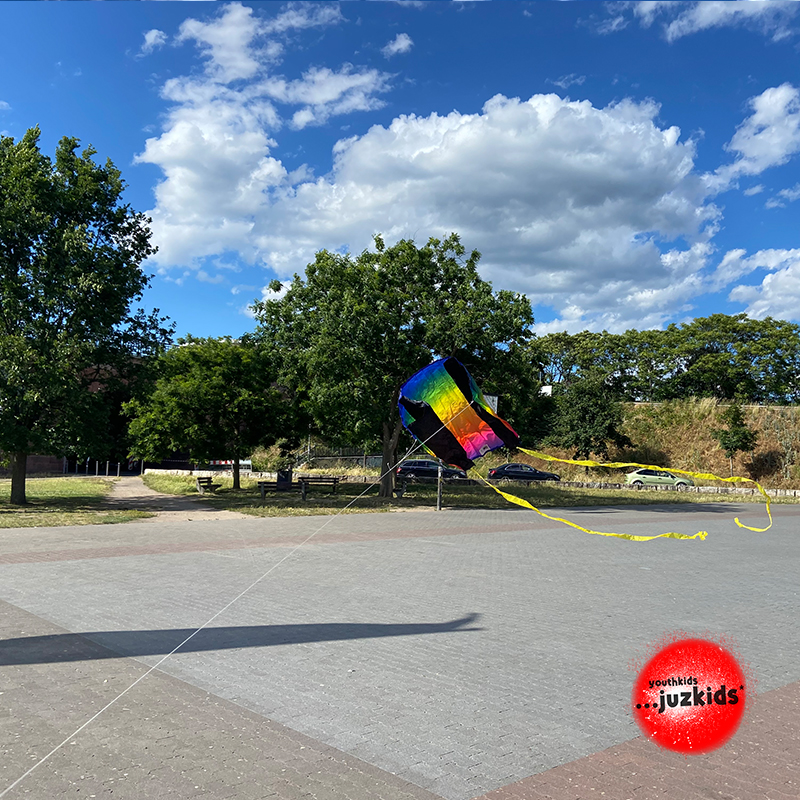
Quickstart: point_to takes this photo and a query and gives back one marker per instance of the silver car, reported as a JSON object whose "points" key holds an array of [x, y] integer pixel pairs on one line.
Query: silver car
{"points": [[656, 477]]}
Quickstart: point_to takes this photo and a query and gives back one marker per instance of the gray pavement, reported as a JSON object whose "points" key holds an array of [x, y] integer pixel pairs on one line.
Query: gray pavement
{"points": [[453, 653]]}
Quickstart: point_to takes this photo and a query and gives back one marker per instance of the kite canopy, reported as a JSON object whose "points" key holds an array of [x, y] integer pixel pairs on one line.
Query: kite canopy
{"points": [[442, 407]]}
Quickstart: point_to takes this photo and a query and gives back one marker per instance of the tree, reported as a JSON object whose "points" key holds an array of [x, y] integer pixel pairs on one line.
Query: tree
{"points": [[728, 357], [719, 356], [354, 329], [736, 437], [215, 398], [70, 256], [589, 417]]}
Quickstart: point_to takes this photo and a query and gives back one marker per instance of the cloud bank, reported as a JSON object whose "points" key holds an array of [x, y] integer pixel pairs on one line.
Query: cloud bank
{"points": [[596, 212]]}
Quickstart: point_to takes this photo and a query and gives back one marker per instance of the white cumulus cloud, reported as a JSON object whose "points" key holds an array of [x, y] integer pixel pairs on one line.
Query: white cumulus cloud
{"points": [[767, 138], [215, 146], [226, 42], [401, 43], [565, 81], [678, 19], [152, 39], [778, 294], [735, 264], [298, 16], [569, 203], [324, 93], [784, 196]]}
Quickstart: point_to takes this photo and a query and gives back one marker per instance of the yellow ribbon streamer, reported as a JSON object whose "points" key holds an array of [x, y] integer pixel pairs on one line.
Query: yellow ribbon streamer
{"points": [[708, 476], [520, 502]]}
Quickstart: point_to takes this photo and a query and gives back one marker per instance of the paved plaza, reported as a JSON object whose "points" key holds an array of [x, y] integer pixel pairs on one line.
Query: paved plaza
{"points": [[411, 655]]}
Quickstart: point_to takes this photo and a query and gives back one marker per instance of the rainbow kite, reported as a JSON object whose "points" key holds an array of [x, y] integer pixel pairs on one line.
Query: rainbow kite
{"points": [[442, 406]]}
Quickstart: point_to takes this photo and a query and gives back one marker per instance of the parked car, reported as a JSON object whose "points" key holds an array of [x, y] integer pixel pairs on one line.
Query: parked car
{"points": [[656, 477], [521, 472], [428, 468]]}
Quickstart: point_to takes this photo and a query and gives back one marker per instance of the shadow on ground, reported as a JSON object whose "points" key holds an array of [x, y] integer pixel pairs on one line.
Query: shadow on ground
{"points": [[115, 644]]}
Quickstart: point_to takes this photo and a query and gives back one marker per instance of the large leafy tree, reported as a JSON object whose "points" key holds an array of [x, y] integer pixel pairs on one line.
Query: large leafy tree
{"points": [[70, 256], [354, 329], [215, 398]]}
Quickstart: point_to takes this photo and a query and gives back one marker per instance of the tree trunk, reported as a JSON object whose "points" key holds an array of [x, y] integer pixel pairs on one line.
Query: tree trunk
{"points": [[236, 484], [19, 462], [389, 458]]}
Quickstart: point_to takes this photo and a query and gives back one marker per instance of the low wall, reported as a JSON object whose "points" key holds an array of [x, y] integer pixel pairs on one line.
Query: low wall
{"points": [[213, 473], [38, 465], [699, 489]]}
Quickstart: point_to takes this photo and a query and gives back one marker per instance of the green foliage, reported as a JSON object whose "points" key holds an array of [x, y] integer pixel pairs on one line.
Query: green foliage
{"points": [[589, 418], [215, 398], [736, 437], [721, 356], [271, 459], [355, 329], [70, 256]]}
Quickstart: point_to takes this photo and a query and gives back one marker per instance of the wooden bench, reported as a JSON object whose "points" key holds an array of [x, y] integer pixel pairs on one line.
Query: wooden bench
{"points": [[301, 483], [265, 486], [204, 484], [320, 480]]}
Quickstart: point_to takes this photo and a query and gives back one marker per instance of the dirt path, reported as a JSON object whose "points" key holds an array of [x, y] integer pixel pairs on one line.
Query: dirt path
{"points": [[130, 492]]}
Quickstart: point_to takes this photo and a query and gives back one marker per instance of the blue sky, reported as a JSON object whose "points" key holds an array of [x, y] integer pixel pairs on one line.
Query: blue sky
{"points": [[623, 164]]}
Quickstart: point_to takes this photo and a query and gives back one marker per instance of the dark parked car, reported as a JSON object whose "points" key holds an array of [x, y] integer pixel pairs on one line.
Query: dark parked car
{"points": [[521, 472], [427, 468]]}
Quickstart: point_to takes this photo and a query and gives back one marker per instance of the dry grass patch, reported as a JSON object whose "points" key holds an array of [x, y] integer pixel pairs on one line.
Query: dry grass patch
{"points": [[62, 501]]}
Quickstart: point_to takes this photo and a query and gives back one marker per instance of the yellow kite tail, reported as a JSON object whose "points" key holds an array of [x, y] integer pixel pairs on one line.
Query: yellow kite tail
{"points": [[520, 502], [708, 476]]}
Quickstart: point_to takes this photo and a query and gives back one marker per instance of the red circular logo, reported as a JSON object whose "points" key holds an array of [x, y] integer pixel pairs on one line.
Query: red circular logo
{"points": [[690, 696]]}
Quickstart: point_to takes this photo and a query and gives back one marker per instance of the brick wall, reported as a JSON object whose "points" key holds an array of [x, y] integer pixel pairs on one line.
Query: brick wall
{"points": [[40, 464]]}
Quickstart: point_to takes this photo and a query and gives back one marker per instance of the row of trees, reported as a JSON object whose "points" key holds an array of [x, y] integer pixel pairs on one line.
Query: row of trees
{"points": [[328, 357], [722, 356], [331, 355]]}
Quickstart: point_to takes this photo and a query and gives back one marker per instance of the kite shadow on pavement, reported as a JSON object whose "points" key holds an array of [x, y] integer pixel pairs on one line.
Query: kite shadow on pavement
{"points": [[87, 646]]}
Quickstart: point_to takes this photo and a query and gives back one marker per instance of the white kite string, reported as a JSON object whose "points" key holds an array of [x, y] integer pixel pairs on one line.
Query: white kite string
{"points": [[241, 594]]}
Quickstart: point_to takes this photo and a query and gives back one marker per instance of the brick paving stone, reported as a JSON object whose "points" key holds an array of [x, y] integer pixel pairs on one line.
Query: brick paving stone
{"points": [[159, 747], [759, 763], [344, 645]]}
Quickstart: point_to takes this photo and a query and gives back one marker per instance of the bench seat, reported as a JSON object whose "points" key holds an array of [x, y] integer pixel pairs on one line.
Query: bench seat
{"points": [[302, 483], [206, 484]]}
